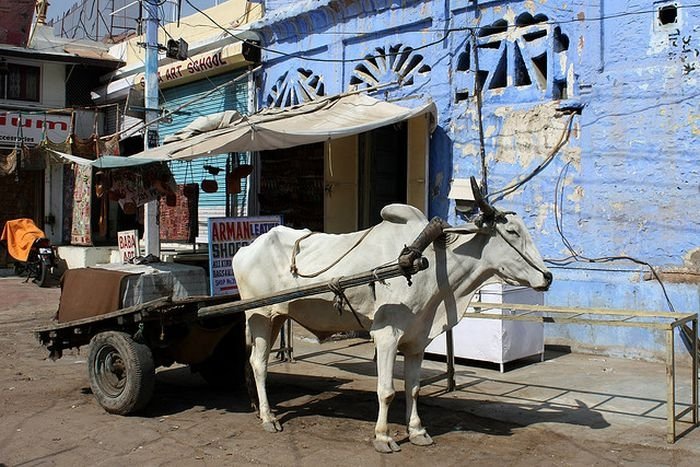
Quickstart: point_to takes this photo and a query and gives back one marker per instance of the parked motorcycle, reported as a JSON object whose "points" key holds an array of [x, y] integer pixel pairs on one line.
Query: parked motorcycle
{"points": [[33, 253]]}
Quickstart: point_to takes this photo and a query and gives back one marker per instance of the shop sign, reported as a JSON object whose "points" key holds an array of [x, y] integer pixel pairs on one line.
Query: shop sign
{"points": [[29, 129], [226, 236], [128, 241], [201, 63]]}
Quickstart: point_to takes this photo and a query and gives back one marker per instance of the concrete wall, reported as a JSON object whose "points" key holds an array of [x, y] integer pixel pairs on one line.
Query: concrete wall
{"points": [[53, 85], [628, 176]]}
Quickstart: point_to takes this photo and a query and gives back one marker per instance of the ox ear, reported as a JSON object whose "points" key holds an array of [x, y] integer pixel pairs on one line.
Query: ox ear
{"points": [[464, 229]]}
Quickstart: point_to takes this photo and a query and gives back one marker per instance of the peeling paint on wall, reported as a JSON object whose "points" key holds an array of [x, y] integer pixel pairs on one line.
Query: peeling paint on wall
{"points": [[528, 135]]}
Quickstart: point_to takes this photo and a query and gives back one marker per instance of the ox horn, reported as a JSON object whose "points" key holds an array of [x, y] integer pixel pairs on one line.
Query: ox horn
{"points": [[488, 210]]}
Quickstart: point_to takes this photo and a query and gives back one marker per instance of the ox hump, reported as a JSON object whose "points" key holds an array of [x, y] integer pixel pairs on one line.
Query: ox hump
{"points": [[402, 214]]}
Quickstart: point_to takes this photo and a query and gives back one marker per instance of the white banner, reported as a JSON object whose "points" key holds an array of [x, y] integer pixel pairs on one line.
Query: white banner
{"points": [[31, 127]]}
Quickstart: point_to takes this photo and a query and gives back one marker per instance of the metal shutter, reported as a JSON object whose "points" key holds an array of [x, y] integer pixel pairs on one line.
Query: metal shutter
{"points": [[231, 97]]}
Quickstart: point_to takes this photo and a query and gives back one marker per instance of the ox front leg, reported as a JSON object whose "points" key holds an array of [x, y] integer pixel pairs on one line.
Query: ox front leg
{"points": [[416, 433], [260, 336], [386, 343]]}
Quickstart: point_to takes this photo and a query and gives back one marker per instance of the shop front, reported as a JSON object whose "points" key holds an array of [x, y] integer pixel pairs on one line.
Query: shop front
{"points": [[328, 165]]}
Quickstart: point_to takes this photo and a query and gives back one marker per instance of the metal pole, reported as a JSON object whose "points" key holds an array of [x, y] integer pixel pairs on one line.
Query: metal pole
{"points": [[450, 347], [694, 373], [151, 227], [670, 389]]}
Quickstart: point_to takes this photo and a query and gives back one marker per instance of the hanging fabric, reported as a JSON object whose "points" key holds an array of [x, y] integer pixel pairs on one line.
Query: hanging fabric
{"points": [[33, 158], [179, 223], [81, 230], [87, 148], [108, 146], [8, 162], [68, 182]]}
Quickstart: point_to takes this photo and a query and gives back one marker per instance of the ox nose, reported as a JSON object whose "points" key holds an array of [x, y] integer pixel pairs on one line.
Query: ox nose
{"points": [[548, 277]]}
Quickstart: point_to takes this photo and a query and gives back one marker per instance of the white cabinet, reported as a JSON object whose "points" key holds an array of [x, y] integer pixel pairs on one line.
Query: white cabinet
{"points": [[495, 340]]}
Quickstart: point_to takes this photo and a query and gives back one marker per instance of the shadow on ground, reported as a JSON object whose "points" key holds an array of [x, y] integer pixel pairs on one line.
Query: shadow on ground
{"points": [[299, 396]]}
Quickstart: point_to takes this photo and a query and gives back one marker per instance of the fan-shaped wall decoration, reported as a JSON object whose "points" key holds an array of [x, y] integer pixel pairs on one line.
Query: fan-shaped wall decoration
{"points": [[399, 64], [295, 87]]}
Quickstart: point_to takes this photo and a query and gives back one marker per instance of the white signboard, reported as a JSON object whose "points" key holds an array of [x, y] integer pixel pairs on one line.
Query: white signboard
{"points": [[128, 241], [30, 128], [226, 236]]}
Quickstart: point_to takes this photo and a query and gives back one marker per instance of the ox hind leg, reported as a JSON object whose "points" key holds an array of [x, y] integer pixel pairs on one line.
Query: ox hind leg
{"points": [[386, 343], [262, 333], [416, 433]]}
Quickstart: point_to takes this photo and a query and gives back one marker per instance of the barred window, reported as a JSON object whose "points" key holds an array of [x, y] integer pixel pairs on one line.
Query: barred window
{"points": [[20, 82]]}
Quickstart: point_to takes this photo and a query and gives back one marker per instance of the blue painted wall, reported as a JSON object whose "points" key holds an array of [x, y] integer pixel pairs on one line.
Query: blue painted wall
{"points": [[628, 176]]}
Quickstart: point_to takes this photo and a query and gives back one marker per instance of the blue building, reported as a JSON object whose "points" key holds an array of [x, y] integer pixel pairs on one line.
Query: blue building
{"points": [[599, 100]]}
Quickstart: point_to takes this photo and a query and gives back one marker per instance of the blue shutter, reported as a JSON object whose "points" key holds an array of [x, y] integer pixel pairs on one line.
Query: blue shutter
{"points": [[231, 97]]}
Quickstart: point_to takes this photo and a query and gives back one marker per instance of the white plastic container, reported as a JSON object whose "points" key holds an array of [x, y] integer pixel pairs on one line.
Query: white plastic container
{"points": [[495, 340]]}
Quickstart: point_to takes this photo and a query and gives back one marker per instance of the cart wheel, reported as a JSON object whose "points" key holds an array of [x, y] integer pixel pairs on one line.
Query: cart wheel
{"points": [[122, 372], [225, 367]]}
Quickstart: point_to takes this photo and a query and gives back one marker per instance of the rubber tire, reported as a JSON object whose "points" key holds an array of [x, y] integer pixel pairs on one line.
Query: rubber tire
{"points": [[225, 368], [44, 273], [130, 388]]}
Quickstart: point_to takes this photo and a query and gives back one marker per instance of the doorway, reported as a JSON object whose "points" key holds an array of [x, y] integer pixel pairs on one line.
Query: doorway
{"points": [[291, 184], [382, 171]]}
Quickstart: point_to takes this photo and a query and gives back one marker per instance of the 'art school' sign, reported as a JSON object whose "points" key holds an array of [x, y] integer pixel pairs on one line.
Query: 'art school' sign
{"points": [[226, 236]]}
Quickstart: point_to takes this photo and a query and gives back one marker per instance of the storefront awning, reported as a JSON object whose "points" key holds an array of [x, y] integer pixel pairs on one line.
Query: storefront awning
{"points": [[102, 162], [274, 128]]}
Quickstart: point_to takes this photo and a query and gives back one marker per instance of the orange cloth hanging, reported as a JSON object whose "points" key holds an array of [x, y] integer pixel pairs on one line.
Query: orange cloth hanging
{"points": [[21, 235]]}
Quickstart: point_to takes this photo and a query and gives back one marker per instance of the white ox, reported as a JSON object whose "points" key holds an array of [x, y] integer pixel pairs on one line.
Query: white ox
{"points": [[399, 317]]}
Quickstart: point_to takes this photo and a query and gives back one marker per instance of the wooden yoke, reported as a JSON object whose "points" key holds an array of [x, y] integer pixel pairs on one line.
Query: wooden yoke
{"points": [[413, 253]]}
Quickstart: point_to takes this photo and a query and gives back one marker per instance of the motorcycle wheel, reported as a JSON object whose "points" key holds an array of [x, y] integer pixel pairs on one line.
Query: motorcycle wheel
{"points": [[43, 273]]}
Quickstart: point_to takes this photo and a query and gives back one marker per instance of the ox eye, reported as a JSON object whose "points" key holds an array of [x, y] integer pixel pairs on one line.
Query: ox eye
{"points": [[513, 232]]}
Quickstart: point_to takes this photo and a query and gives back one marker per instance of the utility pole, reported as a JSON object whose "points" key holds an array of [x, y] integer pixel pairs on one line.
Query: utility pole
{"points": [[151, 226]]}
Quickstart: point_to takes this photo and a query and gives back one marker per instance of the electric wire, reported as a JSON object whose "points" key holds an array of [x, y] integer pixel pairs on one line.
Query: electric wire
{"points": [[81, 23], [575, 256]]}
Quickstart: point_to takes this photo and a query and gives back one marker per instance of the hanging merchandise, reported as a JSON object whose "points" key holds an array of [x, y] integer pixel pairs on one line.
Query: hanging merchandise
{"points": [[8, 162], [81, 232], [190, 187], [136, 186], [210, 185], [178, 222], [233, 179], [102, 186], [33, 158], [68, 185], [11, 162], [108, 146]]}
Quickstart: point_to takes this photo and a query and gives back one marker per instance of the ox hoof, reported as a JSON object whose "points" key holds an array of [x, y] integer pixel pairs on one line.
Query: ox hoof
{"points": [[272, 426], [386, 447], [421, 439]]}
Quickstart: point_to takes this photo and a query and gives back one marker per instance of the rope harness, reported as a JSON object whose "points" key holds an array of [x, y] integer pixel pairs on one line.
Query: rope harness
{"points": [[333, 284], [295, 271]]}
